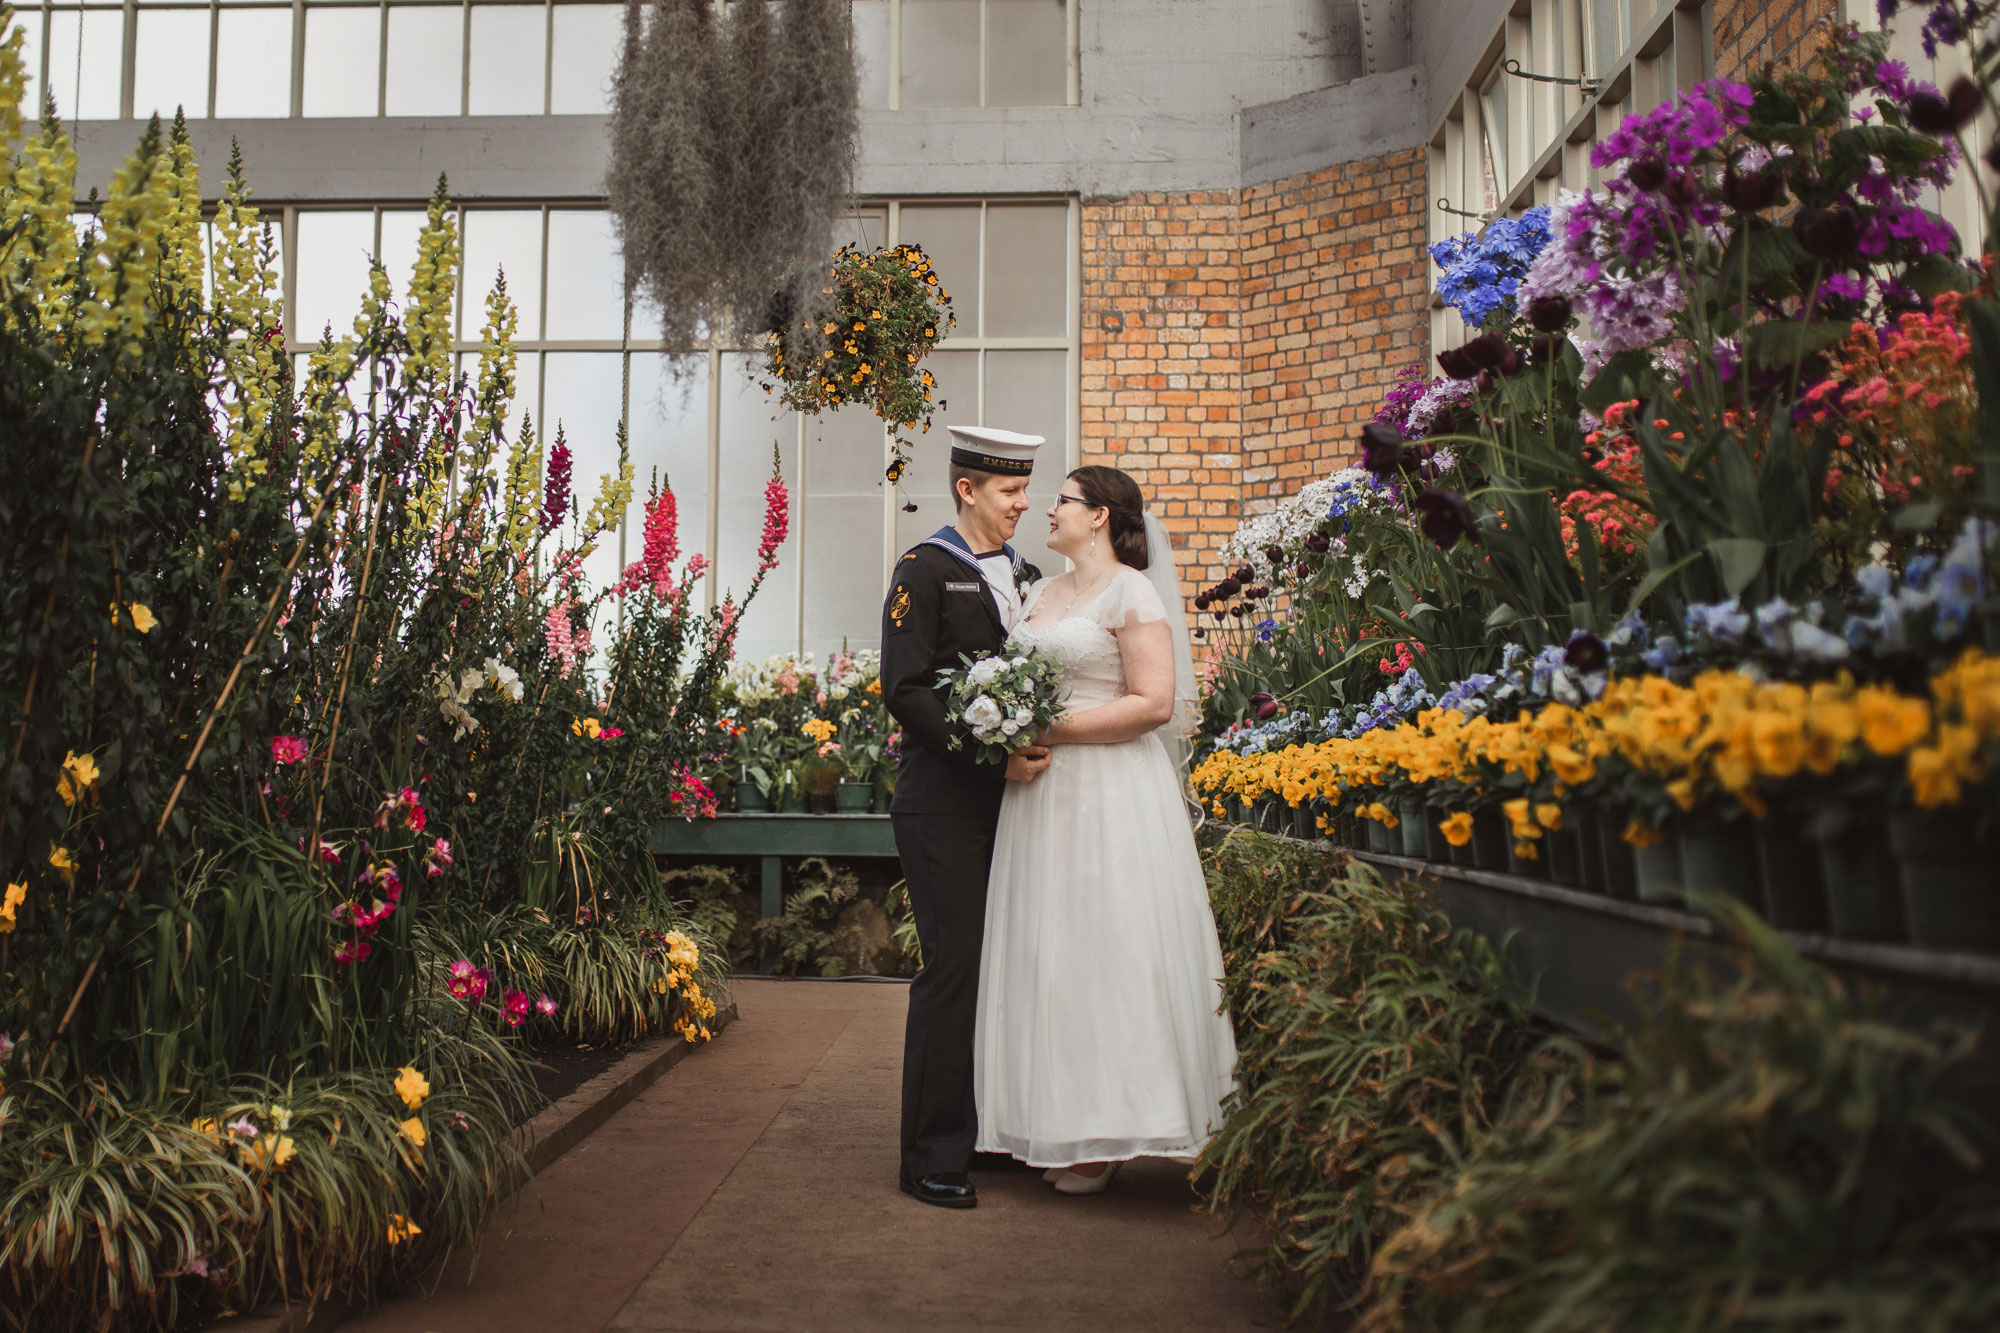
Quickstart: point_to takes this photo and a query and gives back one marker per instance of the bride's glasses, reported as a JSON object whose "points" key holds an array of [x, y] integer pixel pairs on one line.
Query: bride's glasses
{"points": [[1062, 500]]}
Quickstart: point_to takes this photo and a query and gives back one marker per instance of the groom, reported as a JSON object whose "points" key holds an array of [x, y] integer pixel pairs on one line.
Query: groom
{"points": [[955, 593]]}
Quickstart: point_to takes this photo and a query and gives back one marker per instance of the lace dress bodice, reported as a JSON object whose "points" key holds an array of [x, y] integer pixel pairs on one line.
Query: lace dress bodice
{"points": [[1082, 641]]}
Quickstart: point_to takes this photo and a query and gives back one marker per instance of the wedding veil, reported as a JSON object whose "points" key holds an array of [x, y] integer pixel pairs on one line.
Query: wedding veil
{"points": [[1166, 581]]}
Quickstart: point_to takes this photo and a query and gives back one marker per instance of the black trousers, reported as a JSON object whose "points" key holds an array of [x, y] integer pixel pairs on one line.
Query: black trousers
{"points": [[945, 862]]}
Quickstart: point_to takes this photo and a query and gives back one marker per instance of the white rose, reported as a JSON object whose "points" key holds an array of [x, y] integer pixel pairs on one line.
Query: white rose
{"points": [[982, 714], [1009, 727], [985, 671], [1019, 662], [1024, 715]]}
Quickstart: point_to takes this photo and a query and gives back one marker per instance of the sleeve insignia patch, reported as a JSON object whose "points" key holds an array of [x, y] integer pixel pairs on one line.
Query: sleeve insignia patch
{"points": [[899, 604]]}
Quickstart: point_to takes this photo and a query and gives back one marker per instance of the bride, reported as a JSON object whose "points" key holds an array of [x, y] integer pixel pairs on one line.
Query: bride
{"points": [[1099, 1037]]}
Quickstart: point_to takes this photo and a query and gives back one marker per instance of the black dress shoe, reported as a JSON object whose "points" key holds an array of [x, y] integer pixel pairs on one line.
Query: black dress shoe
{"points": [[943, 1190]]}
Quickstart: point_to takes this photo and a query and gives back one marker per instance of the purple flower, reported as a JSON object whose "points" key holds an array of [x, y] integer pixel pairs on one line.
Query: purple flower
{"points": [[555, 507]]}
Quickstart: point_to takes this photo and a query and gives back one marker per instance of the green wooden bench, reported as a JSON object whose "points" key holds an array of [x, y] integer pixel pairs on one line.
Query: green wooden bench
{"points": [[774, 837]]}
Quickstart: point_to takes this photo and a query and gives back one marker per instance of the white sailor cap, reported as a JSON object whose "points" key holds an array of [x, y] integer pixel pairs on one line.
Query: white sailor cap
{"points": [[986, 449]]}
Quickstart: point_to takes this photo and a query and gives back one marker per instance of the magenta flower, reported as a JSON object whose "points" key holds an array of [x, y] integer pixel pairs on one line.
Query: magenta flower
{"points": [[287, 750], [546, 1007], [481, 979], [514, 1003], [347, 955], [464, 980], [555, 504], [438, 858]]}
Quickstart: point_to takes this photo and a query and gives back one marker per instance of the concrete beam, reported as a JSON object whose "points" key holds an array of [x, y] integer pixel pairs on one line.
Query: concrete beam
{"points": [[1385, 35], [1368, 117]]}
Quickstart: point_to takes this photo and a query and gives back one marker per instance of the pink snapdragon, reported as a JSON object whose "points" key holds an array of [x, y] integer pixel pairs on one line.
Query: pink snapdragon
{"points": [[777, 522], [655, 565], [567, 643]]}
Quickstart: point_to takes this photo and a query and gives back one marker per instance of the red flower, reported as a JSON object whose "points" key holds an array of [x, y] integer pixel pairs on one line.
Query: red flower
{"points": [[777, 521], [287, 750]]}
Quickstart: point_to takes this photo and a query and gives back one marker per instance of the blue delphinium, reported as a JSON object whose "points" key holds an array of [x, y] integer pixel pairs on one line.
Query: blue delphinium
{"points": [[1483, 270]]}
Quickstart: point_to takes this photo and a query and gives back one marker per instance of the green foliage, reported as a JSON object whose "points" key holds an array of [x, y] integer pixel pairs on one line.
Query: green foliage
{"points": [[802, 937], [1761, 1150], [1371, 1043]]}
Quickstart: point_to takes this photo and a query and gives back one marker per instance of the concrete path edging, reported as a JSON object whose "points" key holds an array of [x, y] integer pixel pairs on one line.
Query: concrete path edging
{"points": [[542, 1141]]}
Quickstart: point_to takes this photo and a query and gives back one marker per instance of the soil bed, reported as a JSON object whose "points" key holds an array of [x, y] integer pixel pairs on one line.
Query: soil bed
{"points": [[569, 1068]]}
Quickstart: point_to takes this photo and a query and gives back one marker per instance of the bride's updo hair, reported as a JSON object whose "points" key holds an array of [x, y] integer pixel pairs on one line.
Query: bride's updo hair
{"points": [[1108, 488]]}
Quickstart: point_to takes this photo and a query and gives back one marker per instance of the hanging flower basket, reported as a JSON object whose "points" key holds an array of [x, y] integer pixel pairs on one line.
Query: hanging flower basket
{"points": [[889, 310]]}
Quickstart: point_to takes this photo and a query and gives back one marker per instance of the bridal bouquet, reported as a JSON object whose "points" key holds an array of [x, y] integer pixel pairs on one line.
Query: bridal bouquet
{"points": [[1004, 700]]}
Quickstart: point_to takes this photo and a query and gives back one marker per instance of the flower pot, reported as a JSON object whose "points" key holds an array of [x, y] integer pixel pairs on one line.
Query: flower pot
{"points": [[852, 798], [1529, 867], [793, 804], [1720, 856], [879, 803], [1947, 879], [1302, 822], [1435, 847], [1619, 860], [1863, 898], [1466, 853], [1563, 850], [1411, 829], [749, 799], [819, 802], [1658, 877], [1582, 823], [1788, 865], [1491, 847], [1383, 839], [1233, 807]]}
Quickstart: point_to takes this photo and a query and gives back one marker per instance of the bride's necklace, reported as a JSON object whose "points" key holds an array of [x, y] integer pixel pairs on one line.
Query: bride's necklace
{"points": [[1094, 588]]}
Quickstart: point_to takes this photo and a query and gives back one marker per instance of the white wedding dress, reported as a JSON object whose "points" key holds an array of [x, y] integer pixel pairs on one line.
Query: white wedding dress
{"points": [[1099, 1035]]}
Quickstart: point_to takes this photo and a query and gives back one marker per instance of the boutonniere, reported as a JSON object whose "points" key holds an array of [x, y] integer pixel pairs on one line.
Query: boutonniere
{"points": [[1025, 576]]}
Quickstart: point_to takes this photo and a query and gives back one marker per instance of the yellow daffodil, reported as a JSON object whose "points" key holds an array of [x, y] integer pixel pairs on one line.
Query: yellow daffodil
{"points": [[412, 1087]]}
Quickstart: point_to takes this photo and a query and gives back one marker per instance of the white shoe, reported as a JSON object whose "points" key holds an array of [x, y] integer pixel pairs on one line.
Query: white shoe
{"points": [[1053, 1174], [1069, 1182]]}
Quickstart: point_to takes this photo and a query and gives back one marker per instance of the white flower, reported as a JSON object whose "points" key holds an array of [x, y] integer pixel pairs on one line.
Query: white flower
{"points": [[504, 679], [985, 671], [1024, 715], [1009, 727], [982, 713], [1018, 662], [469, 681], [836, 691]]}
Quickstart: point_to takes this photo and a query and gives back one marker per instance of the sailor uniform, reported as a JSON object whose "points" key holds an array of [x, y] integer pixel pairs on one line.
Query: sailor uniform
{"points": [[945, 604]]}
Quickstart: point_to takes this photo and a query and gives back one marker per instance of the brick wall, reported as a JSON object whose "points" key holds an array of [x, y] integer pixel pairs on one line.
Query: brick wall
{"points": [[1162, 371], [1233, 342], [1333, 306], [1750, 34]]}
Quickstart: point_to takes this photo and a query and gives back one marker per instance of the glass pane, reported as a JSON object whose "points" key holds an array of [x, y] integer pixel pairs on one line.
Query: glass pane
{"points": [[1607, 42], [253, 61], [1027, 270], [343, 61], [1027, 52], [426, 60], [1493, 103], [509, 55], [398, 251], [586, 276], [871, 50], [669, 435], [949, 234], [1029, 392], [843, 553], [1669, 74], [587, 40], [751, 423], [923, 484], [496, 241], [582, 392], [170, 68], [86, 57], [940, 53], [30, 27], [333, 250]]}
